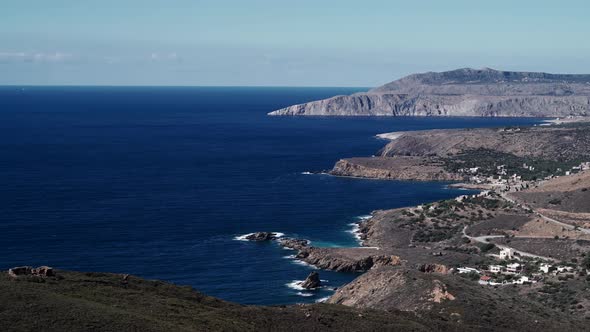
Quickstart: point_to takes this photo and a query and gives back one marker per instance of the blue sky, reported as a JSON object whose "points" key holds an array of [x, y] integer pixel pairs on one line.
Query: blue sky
{"points": [[284, 43]]}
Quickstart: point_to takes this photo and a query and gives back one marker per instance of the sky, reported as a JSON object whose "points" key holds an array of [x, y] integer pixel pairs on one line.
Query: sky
{"points": [[282, 43]]}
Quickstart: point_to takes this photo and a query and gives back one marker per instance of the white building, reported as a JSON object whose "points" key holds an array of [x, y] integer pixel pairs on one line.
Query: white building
{"points": [[544, 268], [495, 268], [561, 269], [522, 280], [507, 253], [513, 268]]}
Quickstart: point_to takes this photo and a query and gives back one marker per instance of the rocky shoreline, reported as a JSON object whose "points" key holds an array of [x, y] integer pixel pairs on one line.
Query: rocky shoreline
{"points": [[360, 259], [409, 257]]}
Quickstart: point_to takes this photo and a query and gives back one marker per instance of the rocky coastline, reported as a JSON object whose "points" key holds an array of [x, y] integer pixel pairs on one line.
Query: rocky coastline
{"points": [[409, 257], [408, 264]]}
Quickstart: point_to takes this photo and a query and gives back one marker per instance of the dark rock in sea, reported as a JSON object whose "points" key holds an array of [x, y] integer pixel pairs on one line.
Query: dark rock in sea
{"points": [[296, 244], [312, 281], [261, 236]]}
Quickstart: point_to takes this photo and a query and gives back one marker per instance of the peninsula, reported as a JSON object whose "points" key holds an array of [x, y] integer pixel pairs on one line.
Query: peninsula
{"points": [[462, 92]]}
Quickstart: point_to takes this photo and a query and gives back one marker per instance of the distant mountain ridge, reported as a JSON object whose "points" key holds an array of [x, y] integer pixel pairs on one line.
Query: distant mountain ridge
{"points": [[463, 92]]}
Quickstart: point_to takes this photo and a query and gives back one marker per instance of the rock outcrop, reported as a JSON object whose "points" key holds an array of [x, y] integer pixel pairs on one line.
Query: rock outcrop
{"points": [[346, 259], [393, 288], [261, 236], [295, 244], [24, 271], [462, 92], [312, 281], [434, 268]]}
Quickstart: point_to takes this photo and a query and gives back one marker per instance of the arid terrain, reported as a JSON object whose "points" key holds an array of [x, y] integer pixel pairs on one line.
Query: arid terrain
{"points": [[522, 243], [531, 153]]}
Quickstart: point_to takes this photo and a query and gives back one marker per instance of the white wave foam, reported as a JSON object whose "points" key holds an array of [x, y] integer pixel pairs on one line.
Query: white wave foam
{"points": [[295, 284], [306, 173], [389, 136], [355, 231], [364, 217], [289, 257], [244, 237], [304, 294], [323, 299], [302, 263]]}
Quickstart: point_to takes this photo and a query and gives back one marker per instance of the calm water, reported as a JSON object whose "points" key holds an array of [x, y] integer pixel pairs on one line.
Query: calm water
{"points": [[157, 182]]}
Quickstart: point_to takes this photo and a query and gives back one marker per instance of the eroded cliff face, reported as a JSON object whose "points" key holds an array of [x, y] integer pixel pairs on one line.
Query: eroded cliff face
{"points": [[463, 92]]}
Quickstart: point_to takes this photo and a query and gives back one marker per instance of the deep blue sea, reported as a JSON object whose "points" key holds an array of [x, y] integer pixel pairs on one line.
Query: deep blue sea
{"points": [[157, 182]]}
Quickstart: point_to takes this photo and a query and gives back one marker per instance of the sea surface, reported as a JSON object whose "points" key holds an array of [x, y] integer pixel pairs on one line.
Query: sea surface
{"points": [[159, 182]]}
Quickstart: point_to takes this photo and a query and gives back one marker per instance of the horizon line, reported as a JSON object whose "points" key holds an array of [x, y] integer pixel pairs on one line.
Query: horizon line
{"points": [[178, 86]]}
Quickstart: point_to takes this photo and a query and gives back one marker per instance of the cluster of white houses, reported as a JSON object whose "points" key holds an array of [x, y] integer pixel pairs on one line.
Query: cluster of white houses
{"points": [[515, 270], [514, 181]]}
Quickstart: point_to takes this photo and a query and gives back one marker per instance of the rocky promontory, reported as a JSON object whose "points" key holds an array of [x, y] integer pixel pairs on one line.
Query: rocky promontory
{"points": [[462, 92], [356, 259], [461, 154], [395, 168], [347, 259]]}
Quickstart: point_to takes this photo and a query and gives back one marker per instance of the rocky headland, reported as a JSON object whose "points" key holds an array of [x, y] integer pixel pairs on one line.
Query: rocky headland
{"points": [[358, 259], [462, 92], [462, 154], [395, 168]]}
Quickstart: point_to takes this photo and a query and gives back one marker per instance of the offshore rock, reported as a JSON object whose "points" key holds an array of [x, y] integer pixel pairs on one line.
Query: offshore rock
{"points": [[261, 236], [312, 281], [296, 244]]}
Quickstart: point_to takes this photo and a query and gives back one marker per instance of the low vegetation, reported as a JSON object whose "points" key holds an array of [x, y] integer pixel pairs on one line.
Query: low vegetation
{"points": [[487, 161]]}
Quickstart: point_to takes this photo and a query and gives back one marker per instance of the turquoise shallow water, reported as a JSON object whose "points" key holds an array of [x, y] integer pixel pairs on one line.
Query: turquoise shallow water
{"points": [[158, 182]]}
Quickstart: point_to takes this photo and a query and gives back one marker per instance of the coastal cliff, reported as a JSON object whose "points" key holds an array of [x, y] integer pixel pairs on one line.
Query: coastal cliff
{"points": [[462, 92]]}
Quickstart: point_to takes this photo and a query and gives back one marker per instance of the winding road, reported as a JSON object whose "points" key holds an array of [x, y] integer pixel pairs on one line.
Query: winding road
{"points": [[484, 239], [540, 215]]}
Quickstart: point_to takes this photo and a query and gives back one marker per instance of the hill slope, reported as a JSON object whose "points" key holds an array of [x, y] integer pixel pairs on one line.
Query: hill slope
{"points": [[76, 301]]}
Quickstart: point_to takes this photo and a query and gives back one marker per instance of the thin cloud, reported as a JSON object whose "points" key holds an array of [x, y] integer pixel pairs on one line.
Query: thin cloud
{"points": [[164, 57], [41, 57]]}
